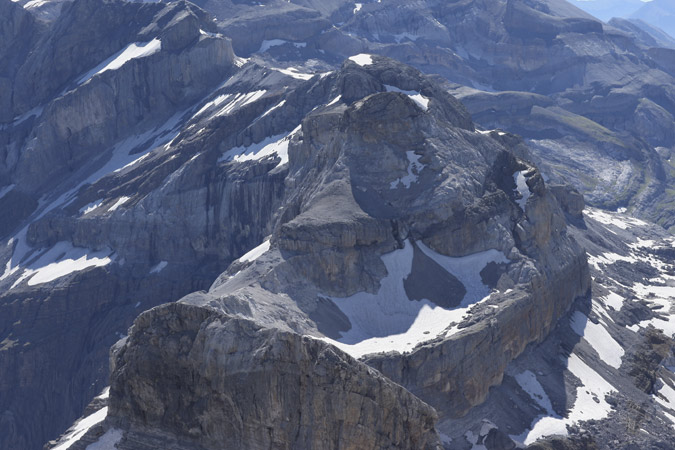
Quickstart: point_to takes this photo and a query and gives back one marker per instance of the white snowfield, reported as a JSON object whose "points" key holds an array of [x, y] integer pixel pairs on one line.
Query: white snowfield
{"points": [[89, 207], [599, 338], [362, 59], [61, 260], [422, 101], [132, 51], [589, 403], [120, 201], [414, 169], [256, 252], [658, 296], [80, 428], [523, 189], [620, 221], [666, 396], [529, 383], [295, 73], [274, 145], [390, 321], [232, 102]]}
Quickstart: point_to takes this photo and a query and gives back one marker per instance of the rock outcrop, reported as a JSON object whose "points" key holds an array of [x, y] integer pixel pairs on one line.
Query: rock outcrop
{"points": [[237, 385]]}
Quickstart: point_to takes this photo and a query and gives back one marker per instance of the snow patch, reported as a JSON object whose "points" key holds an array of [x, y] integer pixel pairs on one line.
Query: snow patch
{"points": [[81, 427], [61, 260], [467, 270], [389, 321], [529, 383], [132, 51], [362, 59], [239, 101], [357, 7], [159, 267], [256, 252], [662, 296], [608, 258], [331, 103], [293, 72], [118, 203], [599, 338], [617, 220], [213, 103], [590, 404], [275, 107], [274, 145], [418, 98], [668, 394], [89, 207], [522, 188], [210, 34], [414, 169], [239, 62], [615, 301], [4, 191]]}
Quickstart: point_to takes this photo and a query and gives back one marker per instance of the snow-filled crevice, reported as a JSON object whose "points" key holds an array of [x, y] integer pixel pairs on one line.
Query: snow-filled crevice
{"points": [[523, 189], [422, 101]]}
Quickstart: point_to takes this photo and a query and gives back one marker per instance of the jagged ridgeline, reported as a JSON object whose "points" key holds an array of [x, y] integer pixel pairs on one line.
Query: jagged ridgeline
{"points": [[292, 240]]}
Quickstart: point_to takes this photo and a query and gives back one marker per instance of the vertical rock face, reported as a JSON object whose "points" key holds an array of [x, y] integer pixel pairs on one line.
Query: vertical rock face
{"points": [[103, 102], [18, 32], [237, 385], [98, 84]]}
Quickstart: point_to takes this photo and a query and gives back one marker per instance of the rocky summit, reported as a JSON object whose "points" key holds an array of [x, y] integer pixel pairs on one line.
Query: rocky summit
{"points": [[332, 225]]}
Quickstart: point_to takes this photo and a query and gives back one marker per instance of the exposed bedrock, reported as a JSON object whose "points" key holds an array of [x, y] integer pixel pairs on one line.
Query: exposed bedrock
{"points": [[221, 382], [98, 107]]}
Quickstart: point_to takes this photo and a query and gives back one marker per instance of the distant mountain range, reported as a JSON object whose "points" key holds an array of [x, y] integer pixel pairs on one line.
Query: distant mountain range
{"points": [[608, 9], [658, 13]]}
